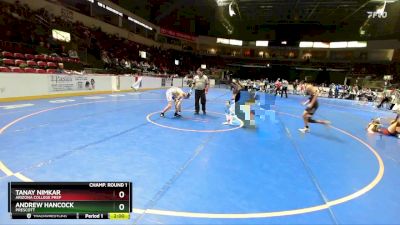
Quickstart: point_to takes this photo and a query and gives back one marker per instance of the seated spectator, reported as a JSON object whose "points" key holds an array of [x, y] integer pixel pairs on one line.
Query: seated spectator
{"points": [[61, 69], [42, 48], [122, 63], [54, 54], [73, 54], [127, 64]]}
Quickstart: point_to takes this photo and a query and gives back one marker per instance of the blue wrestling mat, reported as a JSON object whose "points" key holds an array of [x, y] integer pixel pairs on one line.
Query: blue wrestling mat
{"points": [[195, 170]]}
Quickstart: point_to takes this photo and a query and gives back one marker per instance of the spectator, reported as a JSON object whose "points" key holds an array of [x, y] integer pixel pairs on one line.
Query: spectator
{"points": [[285, 85]]}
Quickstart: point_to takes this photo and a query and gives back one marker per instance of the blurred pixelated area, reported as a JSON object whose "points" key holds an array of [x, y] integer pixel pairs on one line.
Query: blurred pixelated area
{"points": [[254, 105]]}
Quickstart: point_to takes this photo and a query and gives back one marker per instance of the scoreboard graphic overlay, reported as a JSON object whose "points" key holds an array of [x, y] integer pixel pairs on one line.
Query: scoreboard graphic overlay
{"points": [[70, 200]]}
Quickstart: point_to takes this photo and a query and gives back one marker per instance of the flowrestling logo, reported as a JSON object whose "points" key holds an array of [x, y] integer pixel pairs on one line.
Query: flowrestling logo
{"points": [[380, 15], [380, 12]]}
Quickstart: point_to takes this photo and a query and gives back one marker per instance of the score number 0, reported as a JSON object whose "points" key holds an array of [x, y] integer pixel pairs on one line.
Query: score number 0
{"points": [[121, 206]]}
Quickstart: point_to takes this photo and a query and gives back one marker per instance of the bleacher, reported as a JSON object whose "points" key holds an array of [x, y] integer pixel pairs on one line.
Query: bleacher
{"points": [[18, 62]]}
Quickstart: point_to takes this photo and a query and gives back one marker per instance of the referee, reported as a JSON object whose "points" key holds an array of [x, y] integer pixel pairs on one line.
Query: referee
{"points": [[200, 85]]}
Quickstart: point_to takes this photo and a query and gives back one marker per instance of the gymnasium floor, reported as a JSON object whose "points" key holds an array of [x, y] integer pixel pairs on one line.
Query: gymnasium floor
{"points": [[194, 170]]}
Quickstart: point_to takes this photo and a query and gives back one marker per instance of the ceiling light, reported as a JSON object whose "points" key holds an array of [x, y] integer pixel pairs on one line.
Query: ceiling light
{"points": [[262, 43], [341, 44], [320, 45], [356, 44], [306, 44]]}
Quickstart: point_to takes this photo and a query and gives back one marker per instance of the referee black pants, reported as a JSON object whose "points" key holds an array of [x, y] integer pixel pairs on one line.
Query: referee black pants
{"points": [[284, 89], [200, 95]]}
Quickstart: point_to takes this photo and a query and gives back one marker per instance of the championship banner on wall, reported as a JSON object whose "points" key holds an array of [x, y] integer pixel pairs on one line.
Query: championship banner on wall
{"points": [[177, 34], [71, 83]]}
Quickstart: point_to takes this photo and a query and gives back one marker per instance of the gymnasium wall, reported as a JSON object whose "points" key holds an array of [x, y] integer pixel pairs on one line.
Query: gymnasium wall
{"points": [[21, 86], [14, 85]]}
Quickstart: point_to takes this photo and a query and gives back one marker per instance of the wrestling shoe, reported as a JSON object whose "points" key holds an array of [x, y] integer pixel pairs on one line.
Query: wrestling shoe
{"points": [[304, 130]]}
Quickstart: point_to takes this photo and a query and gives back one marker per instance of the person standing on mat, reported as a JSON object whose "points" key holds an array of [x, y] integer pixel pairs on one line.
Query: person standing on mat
{"points": [[230, 106], [236, 87], [200, 86], [278, 86], [295, 84], [285, 85], [312, 106]]}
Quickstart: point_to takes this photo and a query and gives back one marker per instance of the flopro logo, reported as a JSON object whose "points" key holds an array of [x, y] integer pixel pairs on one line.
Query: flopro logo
{"points": [[380, 15]]}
